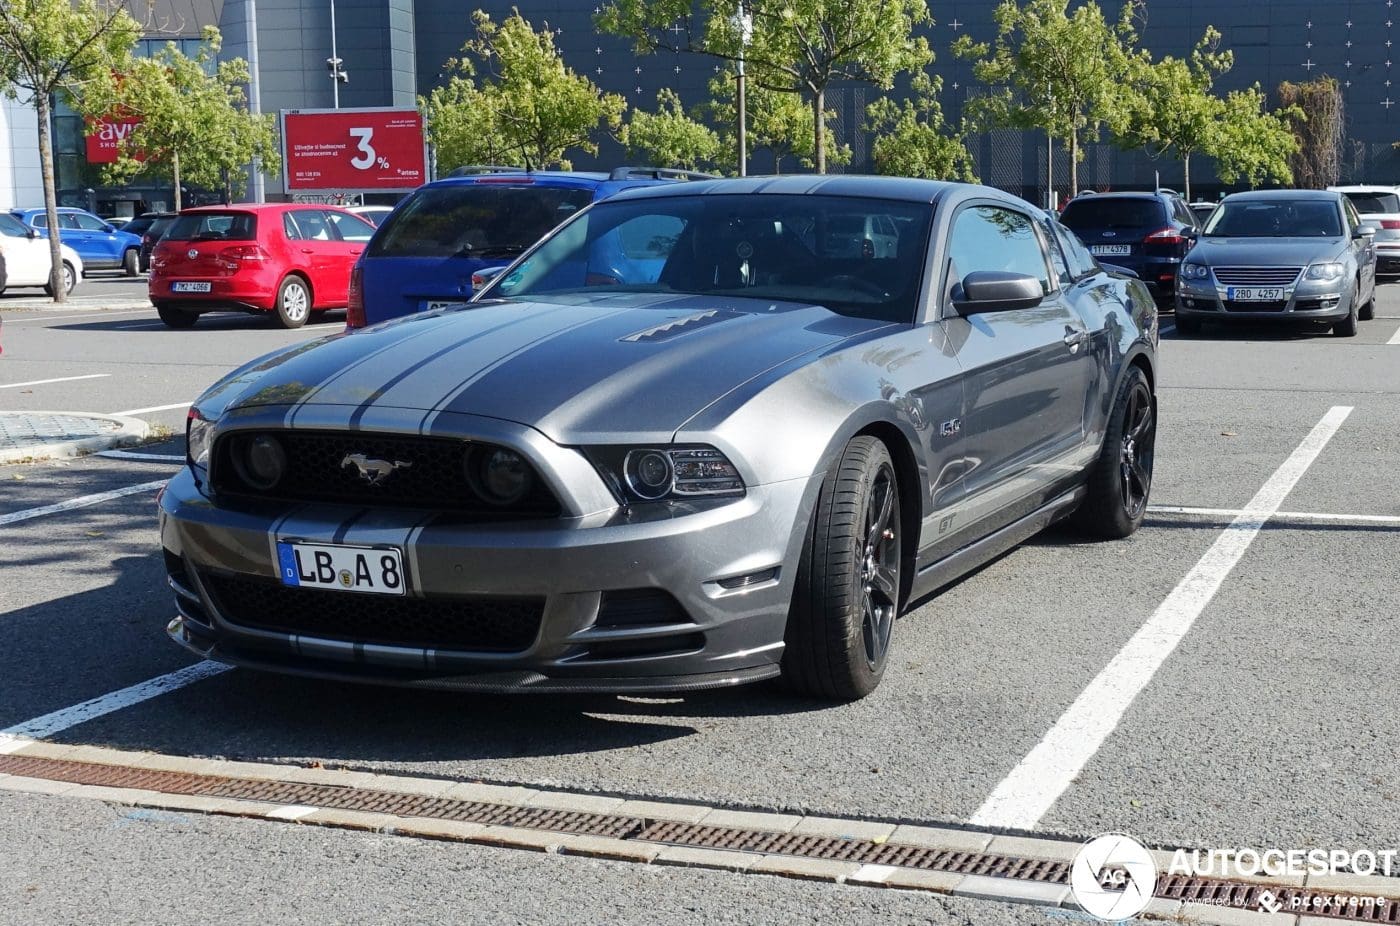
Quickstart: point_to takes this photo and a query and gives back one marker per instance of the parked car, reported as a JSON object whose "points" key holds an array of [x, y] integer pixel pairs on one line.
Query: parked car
{"points": [[1379, 208], [1148, 233], [100, 244], [271, 257], [744, 460], [1290, 256], [1202, 210], [28, 260], [374, 215], [150, 226], [424, 255]]}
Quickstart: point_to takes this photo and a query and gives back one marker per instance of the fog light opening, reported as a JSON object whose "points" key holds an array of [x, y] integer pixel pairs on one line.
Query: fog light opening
{"points": [[753, 578]]}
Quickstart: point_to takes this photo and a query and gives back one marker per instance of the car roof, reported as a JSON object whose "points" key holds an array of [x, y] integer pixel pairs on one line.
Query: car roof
{"points": [[1264, 196], [1125, 194], [1364, 188], [261, 207], [904, 189]]}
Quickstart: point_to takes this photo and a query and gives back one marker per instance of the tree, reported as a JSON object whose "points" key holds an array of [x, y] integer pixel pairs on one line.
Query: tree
{"points": [[194, 120], [793, 46], [1175, 109], [1253, 144], [1066, 73], [670, 138], [67, 48], [523, 106], [1318, 126], [912, 139], [776, 120]]}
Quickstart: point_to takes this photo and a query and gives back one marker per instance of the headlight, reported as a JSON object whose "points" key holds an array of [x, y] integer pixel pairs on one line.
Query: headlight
{"points": [[500, 476], [260, 460], [650, 474], [1195, 272], [198, 431], [1330, 271]]}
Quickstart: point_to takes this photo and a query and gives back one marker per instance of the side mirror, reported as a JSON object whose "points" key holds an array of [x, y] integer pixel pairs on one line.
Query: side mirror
{"points": [[997, 291], [486, 275], [109, 228], [1190, 234], [32, 232], [1365, 231]]}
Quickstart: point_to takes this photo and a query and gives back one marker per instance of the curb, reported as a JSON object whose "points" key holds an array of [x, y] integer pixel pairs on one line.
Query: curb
{"points": [[74, 304], [130, 431]]}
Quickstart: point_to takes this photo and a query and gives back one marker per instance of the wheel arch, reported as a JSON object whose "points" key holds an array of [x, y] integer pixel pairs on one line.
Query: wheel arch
{"points": [[306, 281], [907, 472]]}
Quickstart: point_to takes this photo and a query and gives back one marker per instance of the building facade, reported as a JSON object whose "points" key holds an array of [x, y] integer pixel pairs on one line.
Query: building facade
{"points": [[394, 50]]}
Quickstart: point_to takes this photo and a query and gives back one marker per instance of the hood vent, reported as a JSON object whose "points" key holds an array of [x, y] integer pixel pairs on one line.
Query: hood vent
{"points": [[679, 326]]}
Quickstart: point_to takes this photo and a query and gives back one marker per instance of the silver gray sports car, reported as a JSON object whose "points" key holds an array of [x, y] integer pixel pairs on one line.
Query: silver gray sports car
{"points": [[1291, 256], [699, 435]]}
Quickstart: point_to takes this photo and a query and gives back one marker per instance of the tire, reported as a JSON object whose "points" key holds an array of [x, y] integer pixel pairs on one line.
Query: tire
{"points": [[293, 302], [1368, 311], [1347, 327], [847, 594], [131, 262], [70, 280], [1120, 480], [176, 318], [1187, 327]]}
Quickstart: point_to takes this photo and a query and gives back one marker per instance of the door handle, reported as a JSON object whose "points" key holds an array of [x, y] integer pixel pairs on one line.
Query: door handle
{"points": [[357, 252], [307, 251], [1074, 338]]}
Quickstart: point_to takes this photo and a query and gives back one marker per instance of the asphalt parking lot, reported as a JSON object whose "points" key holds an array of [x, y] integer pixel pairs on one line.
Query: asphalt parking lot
{"points": [[1259, 710]]}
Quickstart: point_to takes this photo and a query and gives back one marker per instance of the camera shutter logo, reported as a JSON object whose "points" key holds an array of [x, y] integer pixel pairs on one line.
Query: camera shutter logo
{"points": [[1113, 877]]}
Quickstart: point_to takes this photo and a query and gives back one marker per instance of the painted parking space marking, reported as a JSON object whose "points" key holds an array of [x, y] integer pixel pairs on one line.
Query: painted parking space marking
{"points": [[1318, 516], [82, 501], [57, 379], [291, 812], [131, 412], [1394, 338], [20, 735], [1033, 786], [135, 455]]}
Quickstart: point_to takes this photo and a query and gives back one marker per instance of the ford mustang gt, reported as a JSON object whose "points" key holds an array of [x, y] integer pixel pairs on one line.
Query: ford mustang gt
{"points": [[698, 435]]}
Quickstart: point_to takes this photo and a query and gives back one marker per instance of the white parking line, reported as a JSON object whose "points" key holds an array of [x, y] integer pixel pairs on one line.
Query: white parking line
{"points": [[133, 455], [21, 735], [1026, 794], [1394, 338], [155, 408], [60, 379], [1277, 516], [82, 501]]}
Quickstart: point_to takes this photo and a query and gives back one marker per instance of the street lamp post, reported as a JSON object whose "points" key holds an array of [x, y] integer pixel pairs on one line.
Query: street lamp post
{"points": [[743, 19], [334, 65]]}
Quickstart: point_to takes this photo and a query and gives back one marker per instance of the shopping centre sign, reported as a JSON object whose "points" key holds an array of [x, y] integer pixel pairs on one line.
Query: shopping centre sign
{"points": [[352, 150]]}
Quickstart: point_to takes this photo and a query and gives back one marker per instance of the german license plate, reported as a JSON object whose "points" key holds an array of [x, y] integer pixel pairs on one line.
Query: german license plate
{"points": [[1111, 250], [189, 287], [341, 568], [1254, 294]]}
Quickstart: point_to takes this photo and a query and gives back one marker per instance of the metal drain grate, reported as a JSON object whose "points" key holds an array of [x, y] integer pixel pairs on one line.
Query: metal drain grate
{"points": [[1220, 892]]}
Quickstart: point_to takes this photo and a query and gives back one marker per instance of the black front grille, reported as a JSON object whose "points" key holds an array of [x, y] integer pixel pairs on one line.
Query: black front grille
{"points": [[1257, 276], [640, 607], [1277, 305], [479, 623], [432, 473]]}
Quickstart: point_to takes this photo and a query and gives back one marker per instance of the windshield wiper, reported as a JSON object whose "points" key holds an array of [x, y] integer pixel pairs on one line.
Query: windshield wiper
{"points": [[504, 250]]}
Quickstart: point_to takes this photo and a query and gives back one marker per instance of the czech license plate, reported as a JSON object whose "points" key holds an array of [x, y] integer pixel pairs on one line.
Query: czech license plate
{"points": [[431, 304], [189, 287], [1111, 250], [341, 568], [1254, 294]]}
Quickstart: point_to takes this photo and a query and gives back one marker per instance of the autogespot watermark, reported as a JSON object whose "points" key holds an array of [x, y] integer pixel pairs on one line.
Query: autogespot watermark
{"points": [[1113, 877], [1247, 862]]}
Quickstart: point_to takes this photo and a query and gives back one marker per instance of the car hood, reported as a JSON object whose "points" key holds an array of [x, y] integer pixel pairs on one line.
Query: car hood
{"points": [[581, 369], [1268, 252]]}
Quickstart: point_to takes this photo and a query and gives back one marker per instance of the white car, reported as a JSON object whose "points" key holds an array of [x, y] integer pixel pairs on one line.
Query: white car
{"points": [[1379, 208], [26, 258], [372, 214]]}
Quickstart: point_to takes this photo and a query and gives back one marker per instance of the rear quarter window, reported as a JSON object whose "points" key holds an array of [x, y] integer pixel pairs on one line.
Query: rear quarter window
{"points": [[214, 226]]}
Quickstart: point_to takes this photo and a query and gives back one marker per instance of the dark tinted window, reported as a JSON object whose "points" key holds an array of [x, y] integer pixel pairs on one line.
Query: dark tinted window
{"points": [[1081, 262], [993, 238], [1373, 203], [1103, 212], [89, 222], [139, 225], [1277, 218], [214, 226], [791, 248], [160, 226], [475, 220]]}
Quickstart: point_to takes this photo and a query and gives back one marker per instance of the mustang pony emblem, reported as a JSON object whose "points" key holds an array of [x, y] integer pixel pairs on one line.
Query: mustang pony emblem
{"points": [[372, 471]]}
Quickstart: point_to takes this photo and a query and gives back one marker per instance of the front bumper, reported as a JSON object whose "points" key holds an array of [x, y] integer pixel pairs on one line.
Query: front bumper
{"points": [[1304, 301], [579, 568]]}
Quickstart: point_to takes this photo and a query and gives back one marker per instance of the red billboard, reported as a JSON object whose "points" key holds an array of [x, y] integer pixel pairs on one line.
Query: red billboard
{"points": [[352, 150], [105, 135]]}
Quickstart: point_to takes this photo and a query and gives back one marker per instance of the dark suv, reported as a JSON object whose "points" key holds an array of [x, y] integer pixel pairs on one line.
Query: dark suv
{"points": [[1148, 233], [439, 241]]}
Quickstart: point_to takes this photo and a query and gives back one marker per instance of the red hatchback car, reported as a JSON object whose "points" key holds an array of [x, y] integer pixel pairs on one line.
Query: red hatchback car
{"points": [[287, 258]]}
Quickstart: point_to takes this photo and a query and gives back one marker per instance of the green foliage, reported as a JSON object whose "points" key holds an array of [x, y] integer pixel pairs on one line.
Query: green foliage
{"points": [[912, 140], [670, 138], [778, 121], [1255, 146], [792, 46], [1317, 118], [511, 100], [195, 125], [1067, 73]]}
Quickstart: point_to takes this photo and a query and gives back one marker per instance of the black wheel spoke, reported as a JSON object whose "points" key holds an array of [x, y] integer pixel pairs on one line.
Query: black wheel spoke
{"points": [[885, 582]]}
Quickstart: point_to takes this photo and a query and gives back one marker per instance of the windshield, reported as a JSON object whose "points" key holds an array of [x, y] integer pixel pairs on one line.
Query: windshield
{"points": [[1275, 218], [213, 226], [821, 250], [485, 220], [1096, 212], [12, 227], [1375, 203]]}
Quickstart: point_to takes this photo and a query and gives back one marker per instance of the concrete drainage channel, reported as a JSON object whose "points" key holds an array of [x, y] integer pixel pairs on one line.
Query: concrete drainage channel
{"points": [[934, 859]]}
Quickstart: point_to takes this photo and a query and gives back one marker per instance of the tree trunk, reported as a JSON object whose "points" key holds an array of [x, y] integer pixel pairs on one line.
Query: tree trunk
{"points": [[60, 292], [1073, 164], [1186, 162], [175, 173], [819, 130]]}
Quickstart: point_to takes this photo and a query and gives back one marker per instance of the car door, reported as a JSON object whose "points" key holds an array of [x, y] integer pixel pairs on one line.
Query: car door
{"points": [[26, 258], [101, 242], [1026, 371], [316, 249], [352, 234], [1364, 248]]}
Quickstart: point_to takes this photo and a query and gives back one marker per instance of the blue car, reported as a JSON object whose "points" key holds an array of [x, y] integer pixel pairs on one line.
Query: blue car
{"points": [[101, 245], [447, 232]]}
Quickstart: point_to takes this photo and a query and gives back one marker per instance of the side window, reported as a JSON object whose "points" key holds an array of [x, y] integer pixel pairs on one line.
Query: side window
{"points": [[68, 220], [41, 221], [1057, 259], [1183, 215], [312, 223], [1081, 262], [289, 227], [1353, 219], [996, 238], [349, 228], [89, 223]]}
